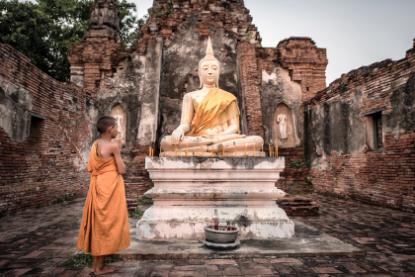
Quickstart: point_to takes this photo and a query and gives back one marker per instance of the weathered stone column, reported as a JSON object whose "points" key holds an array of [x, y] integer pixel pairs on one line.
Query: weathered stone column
{"points": [[147, 130]]}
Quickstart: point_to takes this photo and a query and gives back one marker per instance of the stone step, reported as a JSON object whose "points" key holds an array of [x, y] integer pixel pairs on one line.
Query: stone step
{"points": [[131, 204], [136, 180], [127, 183], [301, 211], [299, 206], [137, 176], [294, 203]]}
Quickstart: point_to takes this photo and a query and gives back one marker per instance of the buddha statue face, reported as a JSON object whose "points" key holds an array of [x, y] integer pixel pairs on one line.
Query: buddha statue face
{"points": [[209, 70]]}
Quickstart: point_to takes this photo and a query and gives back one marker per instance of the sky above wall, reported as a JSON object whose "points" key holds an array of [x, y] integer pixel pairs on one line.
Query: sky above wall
{"points": [[354, 32]]}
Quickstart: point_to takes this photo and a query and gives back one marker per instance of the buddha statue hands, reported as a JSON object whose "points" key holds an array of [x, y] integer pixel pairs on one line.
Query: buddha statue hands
{"points": [[209, 124], [178, 134]]}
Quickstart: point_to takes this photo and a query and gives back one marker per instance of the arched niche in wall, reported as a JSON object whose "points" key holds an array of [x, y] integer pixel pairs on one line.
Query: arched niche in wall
{"points": [[120, 115], [284, 132]]}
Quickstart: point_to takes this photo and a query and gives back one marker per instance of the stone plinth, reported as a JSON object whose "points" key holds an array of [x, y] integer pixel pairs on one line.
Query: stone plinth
{"points": [[189, 192]]}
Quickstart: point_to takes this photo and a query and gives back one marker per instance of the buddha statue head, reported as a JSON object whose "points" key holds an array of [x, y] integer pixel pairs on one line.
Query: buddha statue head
{"points": [[209, 68]]}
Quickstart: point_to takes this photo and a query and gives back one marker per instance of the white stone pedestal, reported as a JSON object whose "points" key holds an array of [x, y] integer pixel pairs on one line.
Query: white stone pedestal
{"points": [[189, 192]]}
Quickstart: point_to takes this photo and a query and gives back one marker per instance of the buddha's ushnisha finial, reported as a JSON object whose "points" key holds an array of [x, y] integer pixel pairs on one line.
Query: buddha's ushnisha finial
{"points": [[209, 50]]}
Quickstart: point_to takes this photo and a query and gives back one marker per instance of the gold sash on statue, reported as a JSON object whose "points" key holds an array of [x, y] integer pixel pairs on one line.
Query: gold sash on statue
{"points": [[209, 113]]}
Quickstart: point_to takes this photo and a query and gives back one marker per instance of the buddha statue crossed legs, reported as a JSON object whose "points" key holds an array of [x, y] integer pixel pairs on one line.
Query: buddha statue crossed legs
{"points": [[209, 124]]}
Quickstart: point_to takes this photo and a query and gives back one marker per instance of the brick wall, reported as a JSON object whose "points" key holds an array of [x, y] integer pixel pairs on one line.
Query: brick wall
{"points": [[296, 173], [250, 81], [381, 178], [44, 164], [337, 134], [306, 63]]}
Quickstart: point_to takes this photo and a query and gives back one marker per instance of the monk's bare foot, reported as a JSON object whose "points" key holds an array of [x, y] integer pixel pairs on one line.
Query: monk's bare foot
{"points": [[105, 270]]}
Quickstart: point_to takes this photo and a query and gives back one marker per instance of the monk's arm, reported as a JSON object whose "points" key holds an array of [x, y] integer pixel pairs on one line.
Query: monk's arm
{"points": [[116, 151]]}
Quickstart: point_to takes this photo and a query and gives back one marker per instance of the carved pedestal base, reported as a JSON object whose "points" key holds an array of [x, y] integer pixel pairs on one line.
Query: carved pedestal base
{"points": [[189, 192]]}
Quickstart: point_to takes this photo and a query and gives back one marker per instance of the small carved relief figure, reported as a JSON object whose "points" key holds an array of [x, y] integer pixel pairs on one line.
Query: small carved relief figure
{"points": [[282, 124], [284, 132]]}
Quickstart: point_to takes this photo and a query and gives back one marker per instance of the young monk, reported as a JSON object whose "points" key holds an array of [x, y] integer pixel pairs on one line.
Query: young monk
{"points": [[104, 227]]}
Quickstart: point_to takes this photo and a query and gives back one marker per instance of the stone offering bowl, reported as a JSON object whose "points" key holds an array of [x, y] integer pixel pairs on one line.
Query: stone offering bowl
{"points": [[221, 234]]}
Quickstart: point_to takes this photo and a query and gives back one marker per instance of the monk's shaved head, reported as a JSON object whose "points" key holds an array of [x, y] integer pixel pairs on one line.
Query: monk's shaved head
{"points": [[104, 123]]}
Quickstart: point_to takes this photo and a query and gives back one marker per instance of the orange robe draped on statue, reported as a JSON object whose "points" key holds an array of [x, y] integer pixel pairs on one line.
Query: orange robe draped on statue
{"points": [[216, 108], [104, 227]]}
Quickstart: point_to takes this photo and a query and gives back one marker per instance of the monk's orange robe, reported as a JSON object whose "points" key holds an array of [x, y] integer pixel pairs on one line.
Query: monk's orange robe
{"points": [[104, 227]]}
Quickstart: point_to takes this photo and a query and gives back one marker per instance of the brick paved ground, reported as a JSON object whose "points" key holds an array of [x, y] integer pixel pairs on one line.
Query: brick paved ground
{"points": [[39, 242]]}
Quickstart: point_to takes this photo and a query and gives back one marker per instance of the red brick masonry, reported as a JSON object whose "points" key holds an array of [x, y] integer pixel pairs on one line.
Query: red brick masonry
{"points": [[45, 167]]}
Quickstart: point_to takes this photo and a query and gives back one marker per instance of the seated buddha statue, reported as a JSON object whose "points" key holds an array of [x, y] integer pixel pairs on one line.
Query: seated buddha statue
{"points": [[209, 124]]}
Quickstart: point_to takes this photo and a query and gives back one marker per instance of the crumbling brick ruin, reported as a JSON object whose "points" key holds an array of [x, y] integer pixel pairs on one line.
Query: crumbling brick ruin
{"points": [[44, 131], [360, 134], [354, 138]]}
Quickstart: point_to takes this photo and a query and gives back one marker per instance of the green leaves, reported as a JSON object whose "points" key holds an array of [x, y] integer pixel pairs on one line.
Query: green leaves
{"points": [[129, 22], [24, 27], [45, 30]]}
